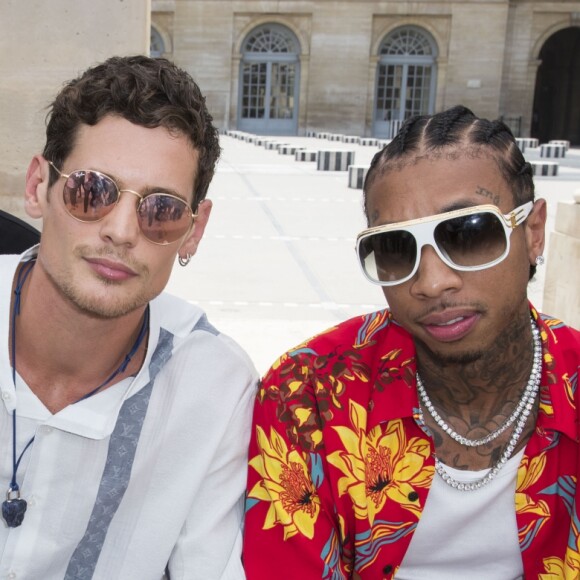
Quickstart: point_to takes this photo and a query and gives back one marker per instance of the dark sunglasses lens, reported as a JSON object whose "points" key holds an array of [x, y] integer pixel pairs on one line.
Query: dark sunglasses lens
{"points": [[388, 256], [472, 240], [164, 218], [89, 196]]}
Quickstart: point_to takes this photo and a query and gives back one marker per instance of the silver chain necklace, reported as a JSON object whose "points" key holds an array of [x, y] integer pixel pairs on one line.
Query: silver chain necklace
{"points": [[524, 402], [519, 416]]}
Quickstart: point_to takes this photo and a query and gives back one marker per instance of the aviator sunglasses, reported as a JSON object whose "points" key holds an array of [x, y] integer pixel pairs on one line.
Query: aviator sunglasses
{"points": [[90, 195], [467, 239]]}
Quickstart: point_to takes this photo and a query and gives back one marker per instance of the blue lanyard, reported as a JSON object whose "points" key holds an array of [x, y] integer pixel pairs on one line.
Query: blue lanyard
{"points": [[14, 508]]}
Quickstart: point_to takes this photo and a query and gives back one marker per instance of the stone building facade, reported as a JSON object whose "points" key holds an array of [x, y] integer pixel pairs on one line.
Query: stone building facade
{"points": [[43, 44], [286, 67], [289, 66]]}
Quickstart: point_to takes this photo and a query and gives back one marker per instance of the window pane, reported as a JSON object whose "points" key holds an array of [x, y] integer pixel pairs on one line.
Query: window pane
{"points": [[282, 87], [404, 74], [270, 39], [253, 90], [406, 41]]}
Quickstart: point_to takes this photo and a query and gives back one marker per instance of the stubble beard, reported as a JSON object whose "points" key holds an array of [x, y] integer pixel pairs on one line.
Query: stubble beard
{"points": [[94, 304], [487, 355], [104, 309], [449, 359]]}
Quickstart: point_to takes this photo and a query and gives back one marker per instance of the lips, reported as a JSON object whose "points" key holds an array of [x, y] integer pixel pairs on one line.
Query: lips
{"points": [[449, 326], [111, 270]]}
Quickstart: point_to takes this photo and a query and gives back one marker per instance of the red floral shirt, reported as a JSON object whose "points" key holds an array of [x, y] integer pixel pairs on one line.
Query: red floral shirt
{"points": [[340, 467]]}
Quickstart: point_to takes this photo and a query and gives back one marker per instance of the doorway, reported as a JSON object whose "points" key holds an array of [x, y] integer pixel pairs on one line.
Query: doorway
{"points": [[556, 111]]}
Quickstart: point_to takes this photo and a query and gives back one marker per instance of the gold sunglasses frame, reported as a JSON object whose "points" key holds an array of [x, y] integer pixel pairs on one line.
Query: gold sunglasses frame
{"points": [[119, 192]]}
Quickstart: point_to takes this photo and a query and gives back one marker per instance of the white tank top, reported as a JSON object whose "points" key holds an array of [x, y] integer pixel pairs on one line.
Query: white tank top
{"points": [[467, 534]]}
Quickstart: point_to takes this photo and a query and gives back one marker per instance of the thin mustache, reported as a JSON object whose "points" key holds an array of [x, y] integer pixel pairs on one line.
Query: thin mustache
{"points": [[442, 306]]}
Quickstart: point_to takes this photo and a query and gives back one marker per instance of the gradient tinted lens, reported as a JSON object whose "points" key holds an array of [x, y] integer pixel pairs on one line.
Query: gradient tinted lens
{"points": [[471, 240], [388, 256], [164, 218], [89, 196]]}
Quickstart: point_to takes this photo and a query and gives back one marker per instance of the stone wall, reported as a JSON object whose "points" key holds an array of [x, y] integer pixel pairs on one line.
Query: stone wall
{"points": [[562, 287], [44, 44], [487, 51], [339, 44]]}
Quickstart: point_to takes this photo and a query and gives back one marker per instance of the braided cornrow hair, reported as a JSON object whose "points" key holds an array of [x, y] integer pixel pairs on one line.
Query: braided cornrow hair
{"points": [[459, 128]]}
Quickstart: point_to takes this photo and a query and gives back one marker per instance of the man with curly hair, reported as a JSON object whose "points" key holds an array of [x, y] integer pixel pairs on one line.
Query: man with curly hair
{"points": [[125, 414]]}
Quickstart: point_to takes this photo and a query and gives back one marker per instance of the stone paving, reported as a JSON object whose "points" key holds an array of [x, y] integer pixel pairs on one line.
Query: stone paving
{"points": [[277, 261]]}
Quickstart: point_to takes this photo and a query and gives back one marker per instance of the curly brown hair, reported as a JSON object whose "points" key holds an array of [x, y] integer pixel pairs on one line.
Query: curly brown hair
{"points": [[151, 92]]}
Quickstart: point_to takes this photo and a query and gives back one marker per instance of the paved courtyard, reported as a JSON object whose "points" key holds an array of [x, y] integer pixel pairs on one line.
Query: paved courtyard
{"points": [[277, 262]]}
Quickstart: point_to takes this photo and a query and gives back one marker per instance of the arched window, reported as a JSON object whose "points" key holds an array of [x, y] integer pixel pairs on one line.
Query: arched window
{"points": [[406, 78], [269, 81], [271, 38], [156, 45]]}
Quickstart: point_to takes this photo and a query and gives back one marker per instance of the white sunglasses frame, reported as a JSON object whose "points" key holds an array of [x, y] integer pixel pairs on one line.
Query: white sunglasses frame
{"points": [[423, 229]]}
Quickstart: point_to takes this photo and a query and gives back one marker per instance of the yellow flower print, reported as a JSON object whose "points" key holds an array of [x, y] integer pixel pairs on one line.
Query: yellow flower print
{"points": [[538, 512], [569, 389], [286, 484], [529, 472], [555, 569], [378, 465], [572, 565], [572, 559]]}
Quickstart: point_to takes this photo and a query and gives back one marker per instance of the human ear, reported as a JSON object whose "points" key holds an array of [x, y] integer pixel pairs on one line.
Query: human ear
{"points": [[189, 246], [36, 186], [535, 230]]}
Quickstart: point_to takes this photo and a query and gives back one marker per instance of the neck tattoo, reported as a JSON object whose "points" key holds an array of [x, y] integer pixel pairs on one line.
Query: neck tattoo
{"points": [[519, 416], [14, 507]]}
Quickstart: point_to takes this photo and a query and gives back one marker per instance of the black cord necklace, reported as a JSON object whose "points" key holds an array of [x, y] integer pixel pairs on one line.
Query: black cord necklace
{"points": [[14, 507]]}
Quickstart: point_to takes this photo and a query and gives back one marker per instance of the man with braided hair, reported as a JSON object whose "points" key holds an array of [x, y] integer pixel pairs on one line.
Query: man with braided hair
{"points": [[438, 438]]}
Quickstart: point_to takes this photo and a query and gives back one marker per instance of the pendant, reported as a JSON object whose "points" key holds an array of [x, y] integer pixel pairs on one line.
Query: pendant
{"points": [[13, 508]]}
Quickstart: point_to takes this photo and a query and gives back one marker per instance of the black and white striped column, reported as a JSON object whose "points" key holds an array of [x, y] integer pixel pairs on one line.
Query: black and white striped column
{"points": [[306, 155], [333, 160], [545, 168], [552, 151], [356, 176]]}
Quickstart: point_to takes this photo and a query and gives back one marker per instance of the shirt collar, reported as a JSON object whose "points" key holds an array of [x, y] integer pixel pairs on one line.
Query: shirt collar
{"points": [[558, 385], [395, 396]]}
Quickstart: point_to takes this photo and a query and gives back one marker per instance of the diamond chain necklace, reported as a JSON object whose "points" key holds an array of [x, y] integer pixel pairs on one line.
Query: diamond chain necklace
{"points": [[520, 416], [526, 401]]}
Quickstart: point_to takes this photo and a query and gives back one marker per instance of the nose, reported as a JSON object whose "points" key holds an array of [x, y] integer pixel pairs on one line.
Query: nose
{"points": [[121, 226], [433, 277]]}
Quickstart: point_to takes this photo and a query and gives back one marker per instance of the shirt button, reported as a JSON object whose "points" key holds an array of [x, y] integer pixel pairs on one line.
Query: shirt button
{"points": [[11, 575], [387, 569], [413, 496], [6, 395], [46, 430]]}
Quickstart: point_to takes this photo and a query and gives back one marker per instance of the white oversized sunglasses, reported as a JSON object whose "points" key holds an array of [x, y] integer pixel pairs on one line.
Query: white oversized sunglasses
{"points": [[467, 239]]}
